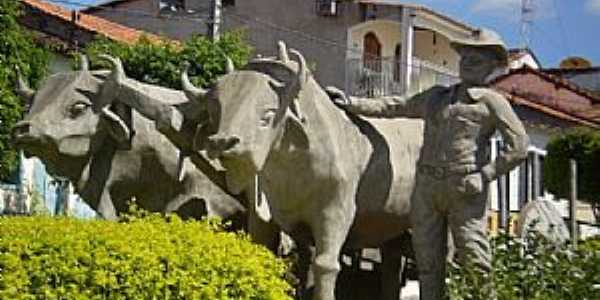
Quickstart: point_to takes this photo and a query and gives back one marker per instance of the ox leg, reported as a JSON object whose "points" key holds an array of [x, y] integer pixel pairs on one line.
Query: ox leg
{"points": [[302, 270], [392, 265], [329, 236], [106, 208]]}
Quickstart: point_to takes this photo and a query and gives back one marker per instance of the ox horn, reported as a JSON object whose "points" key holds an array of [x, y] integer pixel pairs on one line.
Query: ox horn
{"points": [[191, 91], [84, 63], [23, 88], [292, 89], [302, 69], [283, 54], [229, 67], [112, 85]]}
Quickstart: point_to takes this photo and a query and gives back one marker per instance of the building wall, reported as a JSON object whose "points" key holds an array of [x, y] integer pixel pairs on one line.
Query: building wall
{"points": [[435, 48], [53, 26], [325, 41], [525, 60], [265, 21], [321, 39], [144, 15], [387, 31]]}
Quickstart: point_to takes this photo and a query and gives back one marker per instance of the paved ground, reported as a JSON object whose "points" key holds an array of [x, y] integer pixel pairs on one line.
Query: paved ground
{"points": [[411, 291]]}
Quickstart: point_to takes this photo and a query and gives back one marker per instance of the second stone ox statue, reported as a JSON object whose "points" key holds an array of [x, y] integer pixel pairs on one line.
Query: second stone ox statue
{"points": [[330, 179], [110, 153]]}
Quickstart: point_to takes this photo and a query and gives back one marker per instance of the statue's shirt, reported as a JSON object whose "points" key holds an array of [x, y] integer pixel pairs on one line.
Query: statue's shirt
{"points": [[457, 131]]}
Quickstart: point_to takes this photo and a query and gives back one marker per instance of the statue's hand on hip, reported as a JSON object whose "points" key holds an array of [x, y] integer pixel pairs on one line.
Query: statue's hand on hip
{"points": [[474, 183]]}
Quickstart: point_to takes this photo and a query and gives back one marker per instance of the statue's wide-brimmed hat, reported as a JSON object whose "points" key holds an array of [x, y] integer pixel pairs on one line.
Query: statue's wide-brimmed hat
{"points": [[485, 39]]}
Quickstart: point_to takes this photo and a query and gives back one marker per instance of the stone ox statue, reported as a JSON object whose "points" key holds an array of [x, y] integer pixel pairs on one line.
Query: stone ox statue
{"points": [[110, 152], [330, 178]]}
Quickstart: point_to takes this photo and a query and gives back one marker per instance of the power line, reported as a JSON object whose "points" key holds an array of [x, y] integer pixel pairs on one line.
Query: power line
{"points": [[527, 15], [563, 33], [548, 37]]}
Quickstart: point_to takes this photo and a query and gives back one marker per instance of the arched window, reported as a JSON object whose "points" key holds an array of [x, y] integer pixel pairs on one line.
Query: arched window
{"points": [[372, 52], [397, 62]]}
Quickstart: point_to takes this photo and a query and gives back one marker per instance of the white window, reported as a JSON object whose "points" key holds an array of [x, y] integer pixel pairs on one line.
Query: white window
{"points": [[171, 6], [326, 7]]}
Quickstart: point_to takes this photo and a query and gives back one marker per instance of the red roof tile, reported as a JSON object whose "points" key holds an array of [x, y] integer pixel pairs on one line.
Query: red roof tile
{"points": [[94, 24], [579, 119], [559, 81], [590, 116]]}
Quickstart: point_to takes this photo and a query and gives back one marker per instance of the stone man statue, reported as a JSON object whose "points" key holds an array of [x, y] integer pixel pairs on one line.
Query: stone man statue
{"points": [[454, 170]]}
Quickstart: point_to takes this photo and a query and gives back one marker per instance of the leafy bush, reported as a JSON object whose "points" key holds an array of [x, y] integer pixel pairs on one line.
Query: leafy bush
{"points": [[141, 258], [532, 269], [17, 48], [161, 63], [583, 145], [591, 244]]}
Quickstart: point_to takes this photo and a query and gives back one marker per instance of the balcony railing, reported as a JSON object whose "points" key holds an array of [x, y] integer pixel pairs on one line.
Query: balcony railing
{"points": [[382, 77]]}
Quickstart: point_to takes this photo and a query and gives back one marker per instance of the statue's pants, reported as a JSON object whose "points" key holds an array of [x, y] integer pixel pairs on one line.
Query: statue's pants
{"points": [[437, 204]]}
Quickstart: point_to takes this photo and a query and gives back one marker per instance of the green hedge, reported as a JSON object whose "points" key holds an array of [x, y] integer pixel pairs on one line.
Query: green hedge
{"points": [[142, 258], [583, 145], [532, 269]]}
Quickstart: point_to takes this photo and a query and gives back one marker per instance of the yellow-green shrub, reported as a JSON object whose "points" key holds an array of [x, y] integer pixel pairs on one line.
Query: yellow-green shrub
{"points": [[142, 258]]}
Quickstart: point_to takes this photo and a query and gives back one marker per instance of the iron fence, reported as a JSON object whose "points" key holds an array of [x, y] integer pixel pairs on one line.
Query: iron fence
{"points": [[382, 77]]}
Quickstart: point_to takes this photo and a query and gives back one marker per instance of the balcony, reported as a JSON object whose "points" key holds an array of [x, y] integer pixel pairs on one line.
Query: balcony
{"points": [[382, 77]]}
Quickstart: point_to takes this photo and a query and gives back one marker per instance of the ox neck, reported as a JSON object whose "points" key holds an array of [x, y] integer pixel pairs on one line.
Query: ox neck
{"points": [[326, 137]]}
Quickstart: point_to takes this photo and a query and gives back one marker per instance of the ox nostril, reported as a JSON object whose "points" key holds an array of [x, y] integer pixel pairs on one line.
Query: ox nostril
{"points": [[219, 144], [231, 142]]}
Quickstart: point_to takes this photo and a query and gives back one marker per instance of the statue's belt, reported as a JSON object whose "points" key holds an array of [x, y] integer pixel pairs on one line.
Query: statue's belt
{"points": [[442, 172]]}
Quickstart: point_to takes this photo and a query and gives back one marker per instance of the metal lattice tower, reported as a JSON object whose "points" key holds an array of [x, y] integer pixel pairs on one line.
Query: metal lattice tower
{"points": [[527, 14]]}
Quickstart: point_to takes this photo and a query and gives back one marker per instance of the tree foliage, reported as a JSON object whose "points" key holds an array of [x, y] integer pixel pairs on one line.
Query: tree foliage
{"points": [[17, 48], [583, 145], [161, 63]]}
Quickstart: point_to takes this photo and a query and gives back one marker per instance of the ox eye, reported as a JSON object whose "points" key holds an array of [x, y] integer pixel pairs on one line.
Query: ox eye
{"points": [[77, 109], [267, 118]]}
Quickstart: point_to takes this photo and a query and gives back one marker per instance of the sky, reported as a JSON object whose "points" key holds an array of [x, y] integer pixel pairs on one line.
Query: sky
{"points": [[560, 28]]}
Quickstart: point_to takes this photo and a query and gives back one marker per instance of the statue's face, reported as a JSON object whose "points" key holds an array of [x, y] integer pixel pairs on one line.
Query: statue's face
{"points": [[476, 64]]}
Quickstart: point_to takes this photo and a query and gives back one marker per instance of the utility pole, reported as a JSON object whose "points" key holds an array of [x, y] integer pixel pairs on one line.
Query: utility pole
{"points": [[214, 23], [573, 203], [527, 14]]}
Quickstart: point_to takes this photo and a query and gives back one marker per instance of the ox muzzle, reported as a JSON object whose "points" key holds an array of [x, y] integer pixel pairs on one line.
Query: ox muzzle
{"points": [[218, 146], [22, 133]]}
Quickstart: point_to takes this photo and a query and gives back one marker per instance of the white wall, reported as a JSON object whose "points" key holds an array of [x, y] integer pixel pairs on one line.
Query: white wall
{"points": [[388, 33], [435, 48], [525, 60], [538, 139]]}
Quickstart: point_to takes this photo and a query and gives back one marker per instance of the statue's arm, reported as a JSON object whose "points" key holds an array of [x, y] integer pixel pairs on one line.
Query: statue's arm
{"points": [[389, 107], [514, 136]]}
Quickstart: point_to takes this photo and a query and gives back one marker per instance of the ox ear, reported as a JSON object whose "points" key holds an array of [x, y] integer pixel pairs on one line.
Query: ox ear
{"points": [[296, 136], [229, 66], [119, 128], [24, 90]]}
